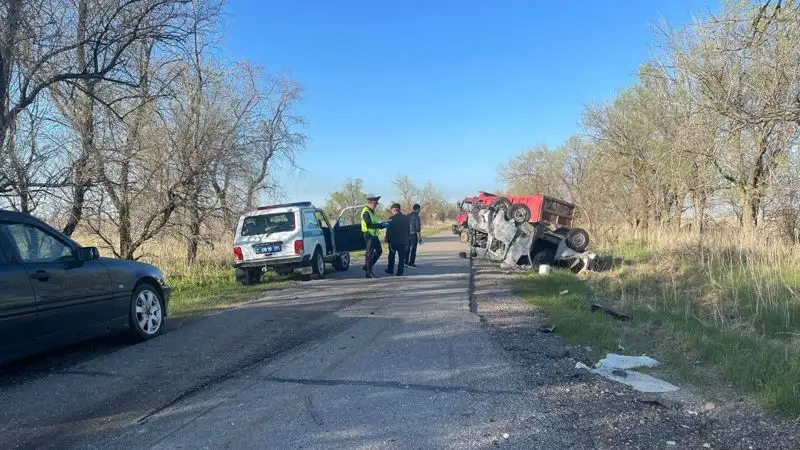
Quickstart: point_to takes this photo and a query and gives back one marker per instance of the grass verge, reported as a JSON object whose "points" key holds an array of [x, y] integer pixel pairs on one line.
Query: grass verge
{"points": [[214, 289], [709, 312]]}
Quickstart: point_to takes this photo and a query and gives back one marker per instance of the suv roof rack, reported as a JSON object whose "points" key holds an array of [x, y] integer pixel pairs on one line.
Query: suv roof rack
{"points": [[284, 205]]}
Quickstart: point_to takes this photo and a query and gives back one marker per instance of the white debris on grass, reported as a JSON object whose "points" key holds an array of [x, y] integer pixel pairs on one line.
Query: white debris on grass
{"points": [[610, 367]]}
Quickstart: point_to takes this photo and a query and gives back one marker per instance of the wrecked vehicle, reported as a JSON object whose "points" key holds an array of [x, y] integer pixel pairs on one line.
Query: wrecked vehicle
{"points": [[535, 209], [498, 234]]}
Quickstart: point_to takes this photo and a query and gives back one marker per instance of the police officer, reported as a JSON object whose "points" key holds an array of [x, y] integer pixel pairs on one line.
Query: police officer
{"points": [[371, 226]]}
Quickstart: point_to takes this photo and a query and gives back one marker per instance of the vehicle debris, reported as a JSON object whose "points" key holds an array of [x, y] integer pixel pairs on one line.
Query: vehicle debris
{"points": [[665, 402], [609, 310], [545, 328], [607, 367]]}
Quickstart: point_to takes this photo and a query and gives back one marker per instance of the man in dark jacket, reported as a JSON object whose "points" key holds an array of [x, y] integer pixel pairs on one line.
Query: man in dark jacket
{"points": [[397, 237], [415, 236]]}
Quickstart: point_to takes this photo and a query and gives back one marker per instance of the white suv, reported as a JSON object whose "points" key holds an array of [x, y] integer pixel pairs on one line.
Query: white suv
{"points": [[293, 237]]}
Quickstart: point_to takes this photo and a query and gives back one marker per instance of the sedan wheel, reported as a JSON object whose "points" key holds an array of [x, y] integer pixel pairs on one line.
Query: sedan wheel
{"points": [[147, 313]]}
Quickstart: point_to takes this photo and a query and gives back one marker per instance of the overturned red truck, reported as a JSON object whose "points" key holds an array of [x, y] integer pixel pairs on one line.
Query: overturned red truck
{"points": [[538, 228]]}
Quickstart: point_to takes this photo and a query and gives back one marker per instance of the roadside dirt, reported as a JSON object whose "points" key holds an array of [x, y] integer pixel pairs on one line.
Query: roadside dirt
{"points": [[581, 410]]}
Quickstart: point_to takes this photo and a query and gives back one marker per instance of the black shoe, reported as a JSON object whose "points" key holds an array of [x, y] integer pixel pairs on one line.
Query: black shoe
{"points": [[399, 274], [412, 265], [389, 272]]}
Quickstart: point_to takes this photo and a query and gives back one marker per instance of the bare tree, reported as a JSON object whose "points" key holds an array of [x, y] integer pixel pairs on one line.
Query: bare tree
{"points": [[409, 193]]}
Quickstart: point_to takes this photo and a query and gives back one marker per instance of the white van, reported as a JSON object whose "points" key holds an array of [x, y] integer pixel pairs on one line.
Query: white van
{"points": [[292, 237]]}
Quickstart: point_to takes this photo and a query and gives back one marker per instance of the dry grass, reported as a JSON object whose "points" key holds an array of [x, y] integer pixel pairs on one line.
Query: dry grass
{"points": [[730, 301]]}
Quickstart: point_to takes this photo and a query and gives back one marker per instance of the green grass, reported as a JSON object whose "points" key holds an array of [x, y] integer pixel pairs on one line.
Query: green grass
{"points": [[570, 312], [209, 288], [736, 311]]}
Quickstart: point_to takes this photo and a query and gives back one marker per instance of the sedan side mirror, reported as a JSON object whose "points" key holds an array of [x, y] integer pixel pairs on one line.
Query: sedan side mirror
{"points": [[87, 253]]}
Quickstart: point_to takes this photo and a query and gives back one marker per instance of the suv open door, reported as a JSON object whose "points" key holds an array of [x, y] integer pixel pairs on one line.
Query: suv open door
{"points": [[347, 231]]}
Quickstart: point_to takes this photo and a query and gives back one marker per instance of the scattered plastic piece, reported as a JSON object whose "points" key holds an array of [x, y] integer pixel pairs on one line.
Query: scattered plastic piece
{"points": [[609, 366]]}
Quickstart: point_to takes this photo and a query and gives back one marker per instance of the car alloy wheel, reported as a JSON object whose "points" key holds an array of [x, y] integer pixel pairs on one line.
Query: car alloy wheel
{"points": [[148, 314]]}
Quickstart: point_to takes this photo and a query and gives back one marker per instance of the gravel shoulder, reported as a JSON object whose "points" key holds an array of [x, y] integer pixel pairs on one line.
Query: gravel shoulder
{"points": [[581, 410]]}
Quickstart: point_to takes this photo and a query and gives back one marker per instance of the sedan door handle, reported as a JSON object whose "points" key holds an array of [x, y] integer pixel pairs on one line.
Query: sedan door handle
{"points": [[40, 275]]}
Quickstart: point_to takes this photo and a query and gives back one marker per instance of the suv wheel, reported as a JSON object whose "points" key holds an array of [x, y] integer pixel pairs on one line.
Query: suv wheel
{"points": [[317, 265], [248, 277], [519, 213], [577, 239], [342, 262], [146, 317]]}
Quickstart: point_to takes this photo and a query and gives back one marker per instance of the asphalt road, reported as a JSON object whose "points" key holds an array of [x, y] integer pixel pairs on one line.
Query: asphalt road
{"points": [[347, 362], [338, 363]]}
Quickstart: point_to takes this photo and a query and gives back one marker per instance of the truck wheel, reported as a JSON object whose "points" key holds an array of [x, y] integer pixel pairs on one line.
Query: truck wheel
{"points": [[577, 239], [317, 266], [342, 262], [519, 213], [464, 236], [454, 229]]}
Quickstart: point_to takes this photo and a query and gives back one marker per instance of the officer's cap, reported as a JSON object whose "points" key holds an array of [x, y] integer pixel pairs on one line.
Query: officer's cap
{"points": [[373, 198]]}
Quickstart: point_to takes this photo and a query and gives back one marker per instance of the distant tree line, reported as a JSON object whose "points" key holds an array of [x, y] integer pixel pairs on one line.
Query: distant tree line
{"points": [[708, 131], [117, 119], [435, 207]]}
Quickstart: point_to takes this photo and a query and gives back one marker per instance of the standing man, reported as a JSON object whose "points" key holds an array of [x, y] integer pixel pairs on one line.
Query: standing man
{"points": [[415, 229], [370, 227], [397, 237]]}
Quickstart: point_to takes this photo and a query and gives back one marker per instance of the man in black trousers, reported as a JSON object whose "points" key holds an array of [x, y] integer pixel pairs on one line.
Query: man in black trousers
{"points": [[397, 237], [415, 236]]}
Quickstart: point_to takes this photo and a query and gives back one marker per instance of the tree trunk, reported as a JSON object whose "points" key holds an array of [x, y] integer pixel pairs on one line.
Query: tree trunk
{"points": [[193, 229], [85, 121], [126, 249]]}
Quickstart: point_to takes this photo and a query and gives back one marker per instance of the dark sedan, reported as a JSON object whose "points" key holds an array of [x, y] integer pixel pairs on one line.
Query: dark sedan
{"points": [[54, 292]]}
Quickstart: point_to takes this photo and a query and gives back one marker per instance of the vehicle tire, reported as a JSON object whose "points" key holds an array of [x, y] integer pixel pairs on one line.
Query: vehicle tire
{"points": [[455, 229], [464, 236], [248, 277], [146, 315], [502, 204], [543, 256], [342, 262], [519, 213], [317, 265], [577, 239]]}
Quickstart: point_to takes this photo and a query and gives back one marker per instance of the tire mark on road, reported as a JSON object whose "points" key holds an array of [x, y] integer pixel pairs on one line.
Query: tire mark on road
{"points": [[312, 411], [390, 385]]}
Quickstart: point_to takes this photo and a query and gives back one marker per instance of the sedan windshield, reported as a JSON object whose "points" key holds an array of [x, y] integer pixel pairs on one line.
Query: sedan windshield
{"points": [[268, 223]]}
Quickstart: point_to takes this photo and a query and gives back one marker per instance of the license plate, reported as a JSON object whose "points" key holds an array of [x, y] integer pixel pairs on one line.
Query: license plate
{"points": [[267, 249]]}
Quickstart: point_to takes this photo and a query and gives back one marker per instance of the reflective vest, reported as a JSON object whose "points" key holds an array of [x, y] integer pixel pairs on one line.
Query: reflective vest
{"points": [[374, 218]]}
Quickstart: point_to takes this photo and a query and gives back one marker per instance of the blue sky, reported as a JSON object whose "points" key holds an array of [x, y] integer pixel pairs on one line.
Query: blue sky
{"points": [[445, 90]]}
